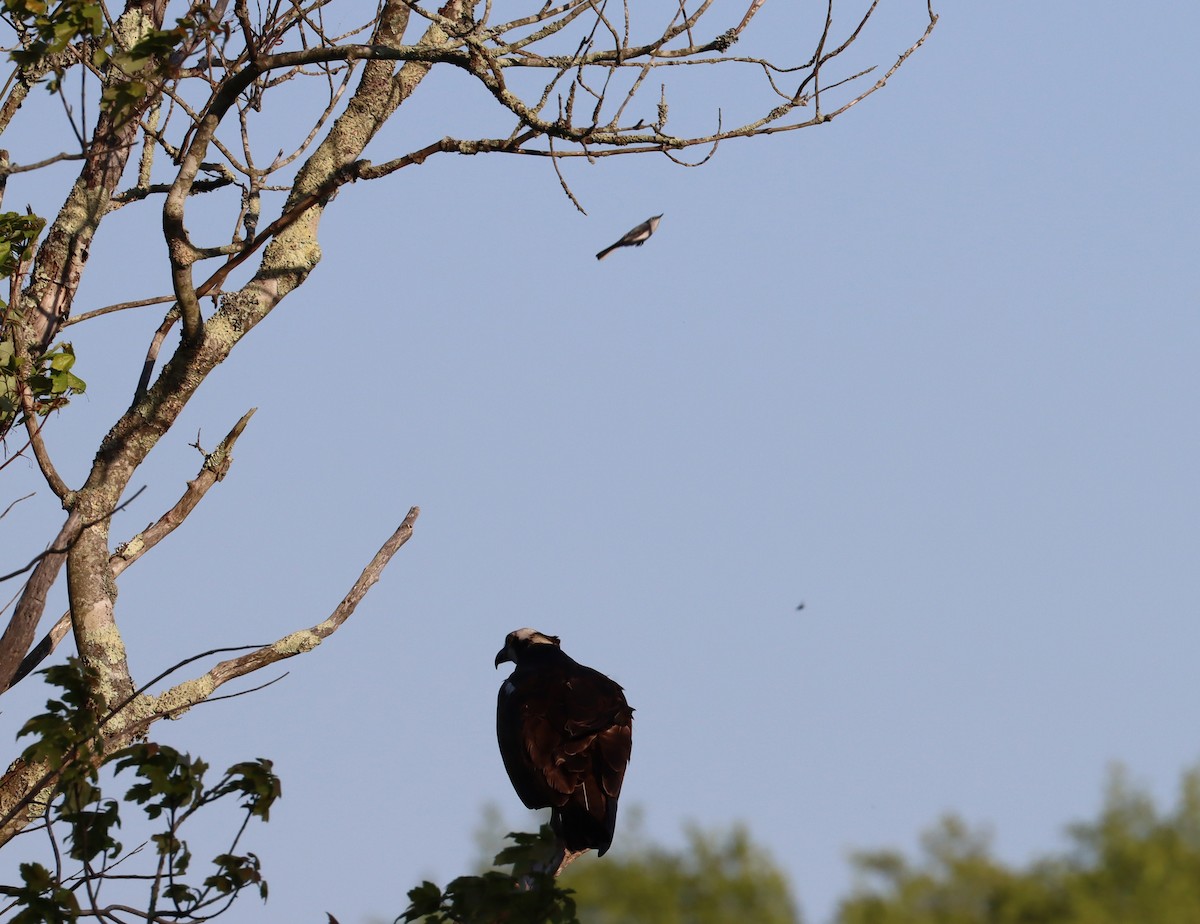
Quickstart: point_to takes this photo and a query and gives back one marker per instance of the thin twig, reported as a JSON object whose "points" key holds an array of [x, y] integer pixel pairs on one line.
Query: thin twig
{"points": [[156, 343], [19, 454], [14, 503], [121, 306], [66, 548]]}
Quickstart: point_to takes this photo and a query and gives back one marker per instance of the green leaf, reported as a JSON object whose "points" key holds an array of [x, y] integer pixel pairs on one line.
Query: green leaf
{"points": [[172, 780], [424, 900], [255, 780], [234, 873], [182, 894], [41, 899]]}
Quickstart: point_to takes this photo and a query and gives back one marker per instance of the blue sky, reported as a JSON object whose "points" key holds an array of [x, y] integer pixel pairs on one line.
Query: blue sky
{"points": [[930, 369]]}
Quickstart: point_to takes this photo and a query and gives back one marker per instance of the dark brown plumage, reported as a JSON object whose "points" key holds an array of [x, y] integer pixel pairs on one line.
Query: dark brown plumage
{"points": [[565, 733]]}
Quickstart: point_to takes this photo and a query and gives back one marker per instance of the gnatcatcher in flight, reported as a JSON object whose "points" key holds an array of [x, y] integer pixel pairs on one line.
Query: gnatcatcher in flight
{"points": [[635, 238]]}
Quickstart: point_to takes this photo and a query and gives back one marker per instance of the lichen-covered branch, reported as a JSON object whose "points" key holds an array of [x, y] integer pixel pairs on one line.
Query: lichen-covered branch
{"points": [[64, 252], [22, 626], [128, 718], [214, 468], [189, 693]]}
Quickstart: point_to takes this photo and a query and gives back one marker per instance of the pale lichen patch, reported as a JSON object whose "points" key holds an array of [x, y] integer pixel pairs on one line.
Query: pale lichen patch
{"points": [[177, 700], [133, 547], [297, 643], [132, 27]]}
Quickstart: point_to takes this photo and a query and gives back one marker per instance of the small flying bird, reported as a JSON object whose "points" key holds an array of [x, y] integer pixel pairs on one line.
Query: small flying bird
{"points": [[635, 238], [565, 733]]}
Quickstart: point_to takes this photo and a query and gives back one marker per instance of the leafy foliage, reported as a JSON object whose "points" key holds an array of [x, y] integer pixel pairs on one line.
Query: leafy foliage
{"points": [[527, 895], [47, 30], [41, 898], [1133, 865], [49, 377], [170, 788], [51, 381], [18, 237]]}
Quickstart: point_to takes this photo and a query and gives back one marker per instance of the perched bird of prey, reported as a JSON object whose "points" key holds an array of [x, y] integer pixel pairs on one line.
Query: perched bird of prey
{"points": [[565, 734], [635, 238]]}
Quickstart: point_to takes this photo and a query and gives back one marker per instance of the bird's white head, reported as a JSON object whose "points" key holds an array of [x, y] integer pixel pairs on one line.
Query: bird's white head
{"points": [[521, 640]]}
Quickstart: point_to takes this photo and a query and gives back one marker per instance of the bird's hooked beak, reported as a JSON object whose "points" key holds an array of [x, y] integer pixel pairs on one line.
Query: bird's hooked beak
{"points": [[502, 655]]}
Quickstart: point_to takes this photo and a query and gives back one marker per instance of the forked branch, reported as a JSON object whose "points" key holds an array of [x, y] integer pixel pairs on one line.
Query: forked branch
{"points": [[214, 468]]}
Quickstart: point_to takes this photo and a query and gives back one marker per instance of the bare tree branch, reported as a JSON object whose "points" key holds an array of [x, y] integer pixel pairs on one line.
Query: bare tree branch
{"points": [[12, 504], [64, 251], [33, 427], [187, 694], [18, 636], [121, 306], [55, 550], [214, 468]]}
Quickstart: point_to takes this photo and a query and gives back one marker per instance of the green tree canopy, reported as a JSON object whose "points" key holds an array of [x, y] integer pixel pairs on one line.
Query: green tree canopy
{"points": [[1133, 865], [717, 878]]}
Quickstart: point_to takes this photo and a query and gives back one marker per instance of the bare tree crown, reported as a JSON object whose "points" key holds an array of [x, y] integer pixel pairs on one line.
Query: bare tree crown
{"points": [[168, 106]]}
